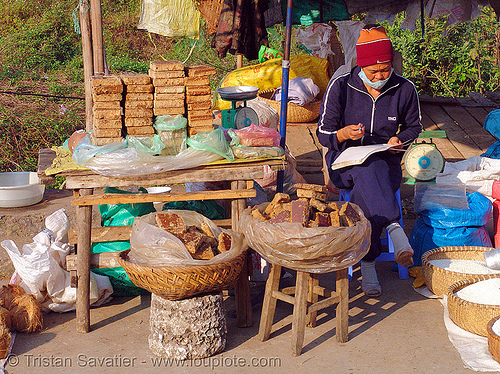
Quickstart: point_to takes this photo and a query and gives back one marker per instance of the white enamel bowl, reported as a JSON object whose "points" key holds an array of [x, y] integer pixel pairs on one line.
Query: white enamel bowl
{"points": [[19, 189]]}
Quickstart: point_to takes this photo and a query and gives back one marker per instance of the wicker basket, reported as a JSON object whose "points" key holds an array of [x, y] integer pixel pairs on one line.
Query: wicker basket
{"points": [[493, 339], [439, 280], [468, 315], [294, 113], [180, 282]]}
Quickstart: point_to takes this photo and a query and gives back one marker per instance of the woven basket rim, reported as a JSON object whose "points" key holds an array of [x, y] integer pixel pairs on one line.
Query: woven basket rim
{"points": [[426, 255], [455, 303], [438, 274], [493, 339], [178, 267], [295, 113]]}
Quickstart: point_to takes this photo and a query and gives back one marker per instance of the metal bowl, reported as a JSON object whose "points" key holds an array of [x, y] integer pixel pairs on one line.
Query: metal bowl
{"points": [[238, 92], [20, 189]]}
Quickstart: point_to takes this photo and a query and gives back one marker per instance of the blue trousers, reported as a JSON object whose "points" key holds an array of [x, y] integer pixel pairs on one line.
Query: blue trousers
{"points": [[373, 186]]}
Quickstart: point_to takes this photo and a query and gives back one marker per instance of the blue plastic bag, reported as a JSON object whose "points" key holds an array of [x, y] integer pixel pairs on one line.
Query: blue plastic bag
{"points": [[423, 238], [477, 215]]}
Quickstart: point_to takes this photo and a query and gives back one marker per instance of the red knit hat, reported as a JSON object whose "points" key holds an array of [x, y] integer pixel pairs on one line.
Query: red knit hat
{"points": [[373, 47]]}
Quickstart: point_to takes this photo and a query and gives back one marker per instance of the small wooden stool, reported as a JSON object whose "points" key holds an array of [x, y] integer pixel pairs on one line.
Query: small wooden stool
{"points": [[305, 304]]}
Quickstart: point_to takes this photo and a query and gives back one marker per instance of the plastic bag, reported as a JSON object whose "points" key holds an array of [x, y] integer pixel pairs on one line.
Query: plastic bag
{"points": [[40, 267], [314, 250], [268, 116], [316, 38], [268, 75], [172, 132], [266, 53], [172, 18], [440, 196], [423, 238], [477, 215], [254, 135], [152, 246], [146, 144], [257, 152], [123, 159]]}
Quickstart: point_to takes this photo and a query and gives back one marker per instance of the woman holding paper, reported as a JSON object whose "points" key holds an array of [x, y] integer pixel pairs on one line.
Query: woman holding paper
{"points": [[372, 105]]}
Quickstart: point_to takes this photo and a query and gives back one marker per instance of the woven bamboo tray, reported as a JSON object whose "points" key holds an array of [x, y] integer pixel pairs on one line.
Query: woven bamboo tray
{"points": [[294, 113], [468, 315], [493, 339], [180, 282], [439, 280]]}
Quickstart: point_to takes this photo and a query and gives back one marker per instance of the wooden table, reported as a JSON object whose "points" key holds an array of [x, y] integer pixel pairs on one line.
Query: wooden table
{"points": [[84, 183]]}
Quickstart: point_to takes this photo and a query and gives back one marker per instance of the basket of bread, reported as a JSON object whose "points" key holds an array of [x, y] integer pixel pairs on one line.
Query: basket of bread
{"points": [[179, 253], [309, 233]]}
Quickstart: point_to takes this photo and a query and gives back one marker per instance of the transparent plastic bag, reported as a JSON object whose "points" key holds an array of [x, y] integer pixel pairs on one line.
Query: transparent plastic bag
{"points": [[440, 196], [268, 116], [146, 144], [241, 151], [314, 250], [254, 135], [172, 132], [152, 246], [123, 159]]}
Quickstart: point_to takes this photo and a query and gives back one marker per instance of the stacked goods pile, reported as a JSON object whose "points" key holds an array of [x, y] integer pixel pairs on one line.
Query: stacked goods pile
{"points": [[201, 243], [138, 104], [18, 310], [107, 96], [199, 99], [310, 209], [169, 92]]}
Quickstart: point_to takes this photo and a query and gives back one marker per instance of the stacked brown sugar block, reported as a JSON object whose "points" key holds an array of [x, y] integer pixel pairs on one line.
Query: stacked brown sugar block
{"points": [[310, 209], [169, 91], [107, 96], [138, 104], [199, 98]]}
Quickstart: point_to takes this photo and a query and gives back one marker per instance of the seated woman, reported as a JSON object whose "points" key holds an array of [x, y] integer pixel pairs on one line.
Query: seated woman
{"points": [[372, 105]]}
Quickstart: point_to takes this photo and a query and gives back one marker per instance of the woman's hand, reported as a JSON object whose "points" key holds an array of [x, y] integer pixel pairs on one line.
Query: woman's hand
{"points": [[396, 142], [353, 132]]}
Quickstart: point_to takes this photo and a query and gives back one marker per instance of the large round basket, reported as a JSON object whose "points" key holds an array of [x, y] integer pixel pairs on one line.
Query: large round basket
{"points": [[468, 315], [493, 339], [180, 282], [439, 280], [294, 113]]}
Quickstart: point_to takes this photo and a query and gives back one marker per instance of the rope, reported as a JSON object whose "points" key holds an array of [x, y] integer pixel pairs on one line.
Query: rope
{"points": [[43, 95], [75, 16]]}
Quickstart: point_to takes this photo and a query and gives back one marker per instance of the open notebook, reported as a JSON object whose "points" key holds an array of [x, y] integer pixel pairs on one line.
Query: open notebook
{"points": [[357, 155]]}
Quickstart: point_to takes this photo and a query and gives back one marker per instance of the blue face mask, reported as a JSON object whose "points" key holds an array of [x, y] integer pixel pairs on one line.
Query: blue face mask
{"points": [[378, 85]]}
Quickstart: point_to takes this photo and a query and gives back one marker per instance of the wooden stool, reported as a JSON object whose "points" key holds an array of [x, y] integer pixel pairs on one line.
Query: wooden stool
{"points": [[305, 304]]}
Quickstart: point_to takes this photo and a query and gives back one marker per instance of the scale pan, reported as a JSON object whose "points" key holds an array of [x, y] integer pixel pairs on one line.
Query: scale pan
{"points": [[238, 92]]}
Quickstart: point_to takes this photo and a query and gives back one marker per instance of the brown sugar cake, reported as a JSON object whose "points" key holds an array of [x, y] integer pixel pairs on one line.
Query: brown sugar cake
{"points": [[224, 240], [171, 222], [348, 214]]}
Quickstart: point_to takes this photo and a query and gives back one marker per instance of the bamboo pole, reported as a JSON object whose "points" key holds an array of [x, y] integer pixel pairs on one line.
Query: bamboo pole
{"points": [[97, 38], [88, 69]]}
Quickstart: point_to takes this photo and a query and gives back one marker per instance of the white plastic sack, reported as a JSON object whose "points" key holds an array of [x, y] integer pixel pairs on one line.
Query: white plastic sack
{"points": [[40, 267], [316, 38], [477, 173], [268, 116]]}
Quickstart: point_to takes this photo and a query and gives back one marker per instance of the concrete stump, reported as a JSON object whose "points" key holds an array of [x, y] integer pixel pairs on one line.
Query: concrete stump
{"points": [[189, 328]]}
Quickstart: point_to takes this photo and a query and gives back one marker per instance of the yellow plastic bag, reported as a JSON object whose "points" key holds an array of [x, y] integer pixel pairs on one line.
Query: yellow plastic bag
{"points": [[267, 75], [173, 18]]}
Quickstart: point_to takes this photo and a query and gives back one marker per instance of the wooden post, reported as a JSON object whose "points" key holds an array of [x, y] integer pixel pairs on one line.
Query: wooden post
{"points": [[239, 61], [269, 304], [299, 312], [242, 287], [88, 68], [97, 39], [84, 227]]}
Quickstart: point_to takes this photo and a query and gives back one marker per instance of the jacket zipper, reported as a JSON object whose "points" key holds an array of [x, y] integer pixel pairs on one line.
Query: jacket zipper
{"points": [[373, 101]]}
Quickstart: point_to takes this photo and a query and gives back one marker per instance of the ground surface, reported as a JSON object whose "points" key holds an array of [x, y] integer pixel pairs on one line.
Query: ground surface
{"points": [[400, 332]]}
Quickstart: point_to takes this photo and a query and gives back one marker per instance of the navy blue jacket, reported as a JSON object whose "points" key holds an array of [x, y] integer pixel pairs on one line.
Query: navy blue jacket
{"points": [[396, 111]]}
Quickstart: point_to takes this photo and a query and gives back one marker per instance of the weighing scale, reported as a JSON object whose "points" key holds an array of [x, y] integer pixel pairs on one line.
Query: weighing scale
{"points": [[423, 161], [242, 116]]}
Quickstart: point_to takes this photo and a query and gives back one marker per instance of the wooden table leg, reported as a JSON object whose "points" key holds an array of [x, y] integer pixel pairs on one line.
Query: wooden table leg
{"points": [[342, 311], [242, 288], [312, 297], [83, 227]]}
